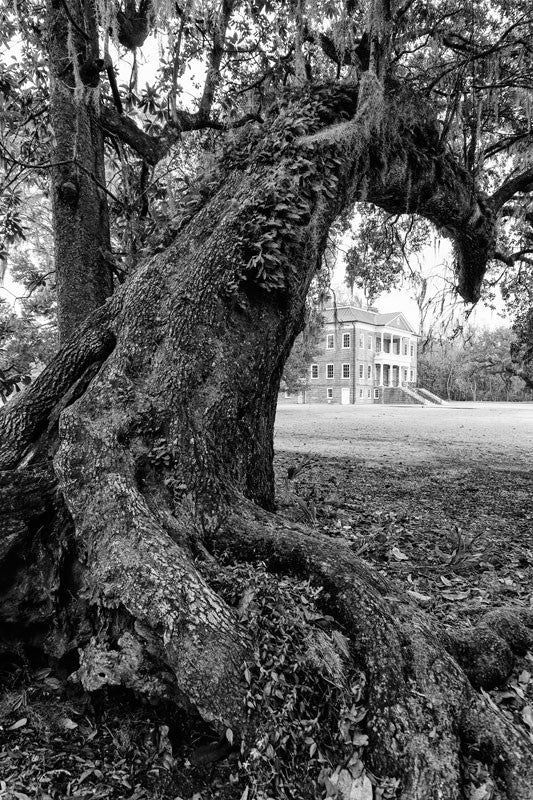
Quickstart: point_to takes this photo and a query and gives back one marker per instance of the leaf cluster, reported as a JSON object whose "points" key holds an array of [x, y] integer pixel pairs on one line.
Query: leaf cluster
{"points": [[304, 699]]}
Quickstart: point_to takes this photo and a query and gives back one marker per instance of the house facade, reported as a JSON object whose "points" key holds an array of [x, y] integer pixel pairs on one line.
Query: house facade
{"points": [[363, 356]]}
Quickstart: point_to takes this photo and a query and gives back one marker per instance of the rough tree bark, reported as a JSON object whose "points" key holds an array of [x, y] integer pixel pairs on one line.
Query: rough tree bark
{"points": [[81, 218], [163, 455]]}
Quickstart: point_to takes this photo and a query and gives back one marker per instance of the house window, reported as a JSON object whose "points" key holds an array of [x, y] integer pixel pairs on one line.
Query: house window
{"points": [[345, 370], [369, 371], [405, 348], [361, 340], [378, 345], [345, 340], [404, 371], [369, 344], [314, 370], [368, 393], [361, 370], [412, 350], [330, 341], [329, 394], [360, 392], [412, 376], [376, 394], [329, 371]]}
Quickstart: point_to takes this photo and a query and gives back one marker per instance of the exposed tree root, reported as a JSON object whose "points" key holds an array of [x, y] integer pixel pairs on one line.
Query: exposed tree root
{"points": [[33, 527], [425, 718]]}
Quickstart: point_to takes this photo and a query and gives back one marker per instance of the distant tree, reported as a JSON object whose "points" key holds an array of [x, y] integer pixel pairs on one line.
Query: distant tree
{"points": [[306, 346], [375, 262], [476, 365]]}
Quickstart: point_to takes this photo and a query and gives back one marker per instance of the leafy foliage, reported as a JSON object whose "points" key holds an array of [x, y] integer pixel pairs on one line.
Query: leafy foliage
{"points": [[477, 366]]}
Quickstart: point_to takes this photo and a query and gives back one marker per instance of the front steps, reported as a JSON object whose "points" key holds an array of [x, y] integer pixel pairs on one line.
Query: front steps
{"points": [[408, 395]]}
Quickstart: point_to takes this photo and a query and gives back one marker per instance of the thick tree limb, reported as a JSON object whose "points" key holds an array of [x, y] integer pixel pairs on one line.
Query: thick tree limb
{"points": [[520, 183], [153, 148], [27, 415]]}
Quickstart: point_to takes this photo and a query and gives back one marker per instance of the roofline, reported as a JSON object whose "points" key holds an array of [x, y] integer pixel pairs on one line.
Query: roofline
{"points": [[374, 313]]}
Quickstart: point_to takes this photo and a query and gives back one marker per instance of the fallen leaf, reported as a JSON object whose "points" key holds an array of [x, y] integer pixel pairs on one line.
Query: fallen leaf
{"points": [[68, 724], [423, 600], [481, 793], [527, 716], [361, 789], [456, 595], [398, 555], [18, 724]]}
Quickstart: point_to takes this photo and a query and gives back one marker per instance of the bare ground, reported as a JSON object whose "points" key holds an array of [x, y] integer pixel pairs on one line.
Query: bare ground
{"points": [[495, 435]]}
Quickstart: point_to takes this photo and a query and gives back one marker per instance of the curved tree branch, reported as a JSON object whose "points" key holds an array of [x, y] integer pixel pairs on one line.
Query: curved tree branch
{"points": [[510, 187]]}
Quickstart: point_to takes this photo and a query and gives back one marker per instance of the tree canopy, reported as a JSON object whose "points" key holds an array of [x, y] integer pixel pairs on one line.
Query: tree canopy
{"points": [[469, 64]]}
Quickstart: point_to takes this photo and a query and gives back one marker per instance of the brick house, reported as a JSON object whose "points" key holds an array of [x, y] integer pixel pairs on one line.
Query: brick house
{"points": [[364, 357]]}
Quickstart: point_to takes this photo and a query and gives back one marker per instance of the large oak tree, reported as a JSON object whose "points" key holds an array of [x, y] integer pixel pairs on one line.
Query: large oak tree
{"points": [[138, 466]]}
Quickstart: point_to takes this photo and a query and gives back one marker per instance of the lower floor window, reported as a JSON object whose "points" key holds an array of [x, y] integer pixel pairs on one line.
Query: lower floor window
{"points": [[368, 393], [360, 392], [376, 394], [330, 394]]}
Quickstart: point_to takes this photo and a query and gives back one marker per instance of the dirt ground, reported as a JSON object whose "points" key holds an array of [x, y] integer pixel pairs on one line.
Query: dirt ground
{"points": [[495, 435]]}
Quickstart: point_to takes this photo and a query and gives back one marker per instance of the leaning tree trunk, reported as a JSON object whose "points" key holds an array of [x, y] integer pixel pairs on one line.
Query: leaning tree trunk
{"points": [[166, 403]]}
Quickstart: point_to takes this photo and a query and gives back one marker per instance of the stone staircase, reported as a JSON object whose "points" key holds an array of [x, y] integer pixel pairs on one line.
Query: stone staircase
{"points": [[433, 398], [407, 395]]}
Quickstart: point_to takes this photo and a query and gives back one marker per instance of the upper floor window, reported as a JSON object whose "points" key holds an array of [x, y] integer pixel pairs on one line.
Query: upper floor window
{"points": [[345, 370], [361, 340], [412, 350], [314, 370], [330, 341], [346, 340], [405, 349], [378, 345], [369, 343], [369, 371], [329, 370], [361, 370]]}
